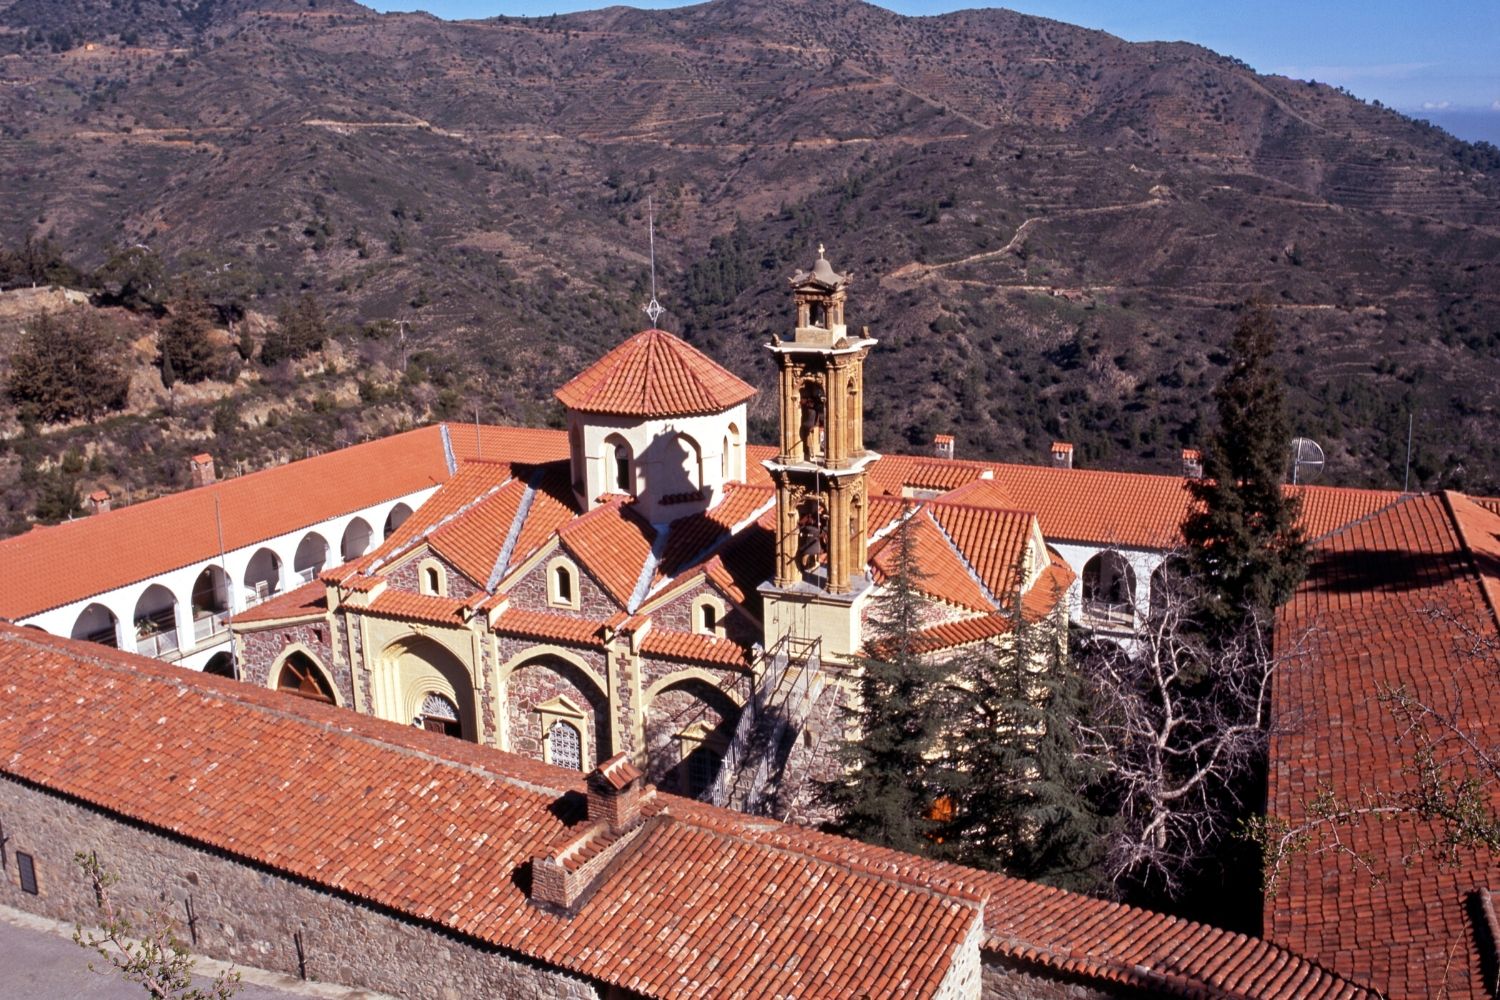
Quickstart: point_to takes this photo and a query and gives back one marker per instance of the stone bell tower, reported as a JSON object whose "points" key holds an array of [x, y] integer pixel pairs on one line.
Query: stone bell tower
{"points": [[820, 469]]}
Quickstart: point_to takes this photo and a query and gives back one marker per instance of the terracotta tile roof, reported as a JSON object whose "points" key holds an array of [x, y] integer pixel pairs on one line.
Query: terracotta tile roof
{"points": [[756, 473], [694, 648], [1041, 600], [552, 506], [1389, 599], [549, 627], [472, 542], [654, 374], [1328, 508], [418, 607], [940, 572], [613, 543], [892, 473], [307, 601], [990, 540], [517, 445], [472, 482], [47, 567], [709, 904], [690, 538], [747, 561]]}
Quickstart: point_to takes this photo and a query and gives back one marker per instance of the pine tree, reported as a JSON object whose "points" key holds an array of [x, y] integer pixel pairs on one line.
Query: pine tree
{"points": [[183, 344], [300, 329], [1021, 802], [1245, 548], [892, 772], [66, 368]]}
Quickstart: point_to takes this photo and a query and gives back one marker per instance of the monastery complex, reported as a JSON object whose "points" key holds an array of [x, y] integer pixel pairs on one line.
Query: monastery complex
{"points": [[533, 694]]}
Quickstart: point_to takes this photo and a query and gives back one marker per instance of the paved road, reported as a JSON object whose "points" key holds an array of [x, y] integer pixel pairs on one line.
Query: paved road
{"points": [[39, 961]]}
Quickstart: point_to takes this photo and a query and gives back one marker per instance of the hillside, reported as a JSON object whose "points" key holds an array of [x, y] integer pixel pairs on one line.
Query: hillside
{"points": [[1051, 228]]}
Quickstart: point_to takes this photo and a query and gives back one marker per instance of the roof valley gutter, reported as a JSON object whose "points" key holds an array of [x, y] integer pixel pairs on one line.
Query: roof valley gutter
{"points": [[643, 583], [448, 456]]}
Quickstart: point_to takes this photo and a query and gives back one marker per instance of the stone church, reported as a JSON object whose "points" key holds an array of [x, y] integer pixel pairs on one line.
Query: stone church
{"points": [[667, 586]]}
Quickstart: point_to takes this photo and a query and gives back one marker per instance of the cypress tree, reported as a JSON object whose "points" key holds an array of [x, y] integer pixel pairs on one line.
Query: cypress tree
{"points": [[892, 771], [183, 344], [1244, 546], [1021, 799]]}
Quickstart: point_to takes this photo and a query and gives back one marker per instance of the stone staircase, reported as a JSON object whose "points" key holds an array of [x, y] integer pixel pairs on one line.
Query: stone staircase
{"points": [[754, 763]]}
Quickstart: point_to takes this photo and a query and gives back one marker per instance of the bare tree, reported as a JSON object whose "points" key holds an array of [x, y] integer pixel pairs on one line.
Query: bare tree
{"points": [[149, 952], [1180, 722], [1453, 771]]}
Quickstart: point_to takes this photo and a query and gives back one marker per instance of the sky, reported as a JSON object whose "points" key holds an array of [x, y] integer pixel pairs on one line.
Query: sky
{"points": [[1442, 56]]}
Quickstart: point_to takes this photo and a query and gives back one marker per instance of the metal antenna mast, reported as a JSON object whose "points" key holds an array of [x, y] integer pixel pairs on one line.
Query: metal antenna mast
{"points": [[653, 308]]}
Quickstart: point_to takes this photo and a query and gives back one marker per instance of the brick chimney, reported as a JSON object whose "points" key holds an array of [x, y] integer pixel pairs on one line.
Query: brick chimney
{"points": [[571, 870], [615, 793], [201, 468], [99, 502], [1192, 463], [1062, 455], [942, 445]]}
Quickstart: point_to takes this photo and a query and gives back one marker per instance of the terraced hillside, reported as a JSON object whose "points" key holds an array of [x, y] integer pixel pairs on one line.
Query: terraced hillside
{"points": [[1051, 228]]}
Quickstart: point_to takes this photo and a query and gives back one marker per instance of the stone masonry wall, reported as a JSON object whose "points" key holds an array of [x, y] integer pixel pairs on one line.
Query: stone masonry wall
{"points": [[407, 577], [264, 646], [678, 614], [253, 916], [546, 678], [1006, 980], [529, 593]]}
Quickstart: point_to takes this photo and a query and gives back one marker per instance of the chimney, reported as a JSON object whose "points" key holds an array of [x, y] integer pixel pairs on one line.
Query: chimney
{"points": [[564, 877], [99, 502], [942, 445], [615, 793], [1192, 463], [1062, 455], [201, 468]]}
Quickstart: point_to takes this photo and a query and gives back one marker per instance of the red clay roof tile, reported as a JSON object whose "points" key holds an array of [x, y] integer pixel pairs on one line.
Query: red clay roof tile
{"points": [[654, 374]]}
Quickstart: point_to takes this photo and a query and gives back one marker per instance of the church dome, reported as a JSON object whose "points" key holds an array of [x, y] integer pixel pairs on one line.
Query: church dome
{"points": [[654, 374]]}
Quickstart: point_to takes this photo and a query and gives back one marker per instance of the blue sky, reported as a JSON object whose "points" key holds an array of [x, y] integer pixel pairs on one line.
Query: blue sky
{"points": [[1439, 55]]}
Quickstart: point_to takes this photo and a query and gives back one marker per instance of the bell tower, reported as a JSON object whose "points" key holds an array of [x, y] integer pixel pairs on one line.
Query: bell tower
{"points": [[820, 467]]}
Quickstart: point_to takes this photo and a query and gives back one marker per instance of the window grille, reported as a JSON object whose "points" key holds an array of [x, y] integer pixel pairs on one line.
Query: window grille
{"points": [[564, 746], [27, 867]]}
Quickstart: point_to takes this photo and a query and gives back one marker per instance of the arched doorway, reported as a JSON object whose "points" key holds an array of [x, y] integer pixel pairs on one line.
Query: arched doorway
{"points": [[356, 541], [155, 622], [262, 576], [1108, 591], [433, 686], [311, 554], [96, 623], [302, 676], [689, 723], [438, 714], [210, 602], [396, 518]]}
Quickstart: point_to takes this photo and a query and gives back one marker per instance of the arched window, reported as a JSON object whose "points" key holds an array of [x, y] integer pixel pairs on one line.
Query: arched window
{"points": [[1109, 590], [356, 540], [439, 715], [262, 576], [302, 677], [430, 577], [622, 468], [709, 616], [396, 518], [575, 454], [312, 553], [565, 746], [564, 585], [221, 664], [96, 623]]}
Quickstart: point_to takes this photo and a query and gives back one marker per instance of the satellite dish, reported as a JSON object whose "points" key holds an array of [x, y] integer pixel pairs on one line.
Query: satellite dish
{"points": [[1307, 460]]}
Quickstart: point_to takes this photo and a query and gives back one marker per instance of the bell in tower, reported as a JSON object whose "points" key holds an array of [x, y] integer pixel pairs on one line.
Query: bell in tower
{"points": [[821, 463]]}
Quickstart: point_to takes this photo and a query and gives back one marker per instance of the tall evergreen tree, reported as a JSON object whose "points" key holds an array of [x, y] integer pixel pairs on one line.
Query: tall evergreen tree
{"points": [[893, 770], [1245, 548], [300, 329], [183, 344], [67, 367], [1021, 793]]}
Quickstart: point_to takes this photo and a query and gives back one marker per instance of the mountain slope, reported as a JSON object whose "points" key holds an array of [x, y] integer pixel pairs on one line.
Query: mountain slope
{"points": [[1051, 227]]}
